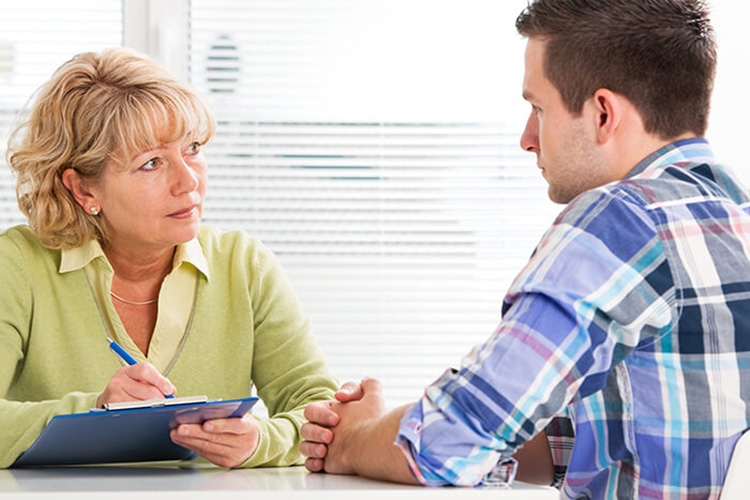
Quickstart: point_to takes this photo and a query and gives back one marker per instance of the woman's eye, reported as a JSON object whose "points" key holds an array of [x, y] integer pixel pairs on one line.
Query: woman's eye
{"points": [[194, 148], [150, 165]]}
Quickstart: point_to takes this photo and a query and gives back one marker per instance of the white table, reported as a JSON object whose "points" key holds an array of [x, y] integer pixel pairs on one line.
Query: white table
{"points": [[212, 483]]}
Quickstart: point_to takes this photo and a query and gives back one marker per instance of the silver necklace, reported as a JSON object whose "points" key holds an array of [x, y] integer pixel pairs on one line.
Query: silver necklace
{"points": [[113, 294]]}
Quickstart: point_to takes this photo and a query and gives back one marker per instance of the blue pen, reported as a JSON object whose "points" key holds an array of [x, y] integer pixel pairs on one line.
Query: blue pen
{"points": [[123, 355]]}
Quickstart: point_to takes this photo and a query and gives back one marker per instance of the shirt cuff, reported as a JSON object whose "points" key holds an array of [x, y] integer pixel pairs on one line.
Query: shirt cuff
{"points": [[502, 475], [408, 435], [440, 464], [251, 459]]}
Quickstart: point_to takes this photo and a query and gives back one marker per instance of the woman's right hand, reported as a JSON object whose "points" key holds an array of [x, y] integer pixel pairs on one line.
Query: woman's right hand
{"points": [[136, 383]]}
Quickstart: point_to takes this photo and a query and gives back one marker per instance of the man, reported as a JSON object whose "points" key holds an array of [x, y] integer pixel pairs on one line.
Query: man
{"points": [[622, 360]]}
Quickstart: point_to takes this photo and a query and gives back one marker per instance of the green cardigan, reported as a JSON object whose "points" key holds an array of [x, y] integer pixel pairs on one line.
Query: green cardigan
{"points": [[247, 329]]}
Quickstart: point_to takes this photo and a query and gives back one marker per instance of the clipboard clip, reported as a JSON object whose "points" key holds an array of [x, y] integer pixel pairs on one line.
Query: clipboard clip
{"points": [[154, 403]]}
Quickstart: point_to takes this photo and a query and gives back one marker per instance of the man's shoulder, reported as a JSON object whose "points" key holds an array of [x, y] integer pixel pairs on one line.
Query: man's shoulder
{"points": [[685, 181], [612, 202], [641, 194]]}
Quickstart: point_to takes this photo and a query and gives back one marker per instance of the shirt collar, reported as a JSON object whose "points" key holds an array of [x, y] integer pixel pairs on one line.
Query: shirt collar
{"points": [[76, 258], [693, 150], [192, 253]]}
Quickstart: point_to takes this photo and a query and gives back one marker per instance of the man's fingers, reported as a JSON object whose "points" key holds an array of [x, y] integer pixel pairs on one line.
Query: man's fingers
{"points": [[313, 450], [315, 433], [314, 464], [350, 391], [372, 387], [320, 413]]}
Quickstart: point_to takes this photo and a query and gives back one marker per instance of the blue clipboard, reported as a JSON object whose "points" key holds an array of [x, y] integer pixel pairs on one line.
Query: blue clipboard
{"points": [[126, 432]]}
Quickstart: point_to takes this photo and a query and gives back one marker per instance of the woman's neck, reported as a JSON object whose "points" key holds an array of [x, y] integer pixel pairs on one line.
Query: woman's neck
{"points": [[139, 267]]}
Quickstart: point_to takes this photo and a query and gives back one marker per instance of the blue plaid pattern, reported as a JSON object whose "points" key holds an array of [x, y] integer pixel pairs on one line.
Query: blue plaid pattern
{"points": [[626, 336]]}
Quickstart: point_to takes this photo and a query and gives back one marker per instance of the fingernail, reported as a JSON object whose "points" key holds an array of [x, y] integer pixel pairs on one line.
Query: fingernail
{"points": [[209, 426]]}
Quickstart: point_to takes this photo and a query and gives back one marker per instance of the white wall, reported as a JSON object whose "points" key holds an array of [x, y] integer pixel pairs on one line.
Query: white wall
{"points": [[728, 126]]}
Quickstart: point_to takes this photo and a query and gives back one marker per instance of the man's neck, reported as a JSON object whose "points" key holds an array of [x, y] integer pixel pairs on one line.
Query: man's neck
{"points": [[631, 152]]}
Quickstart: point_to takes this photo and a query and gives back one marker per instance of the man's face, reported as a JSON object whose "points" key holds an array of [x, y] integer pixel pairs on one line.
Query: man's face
{"points": [[565, 144]]}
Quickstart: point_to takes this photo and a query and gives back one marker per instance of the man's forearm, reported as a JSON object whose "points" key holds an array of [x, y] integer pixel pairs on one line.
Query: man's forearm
{"points": [[373, 453]]}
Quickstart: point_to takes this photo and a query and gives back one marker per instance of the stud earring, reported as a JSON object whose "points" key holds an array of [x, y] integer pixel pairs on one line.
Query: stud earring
{"points": [[94, 211]]}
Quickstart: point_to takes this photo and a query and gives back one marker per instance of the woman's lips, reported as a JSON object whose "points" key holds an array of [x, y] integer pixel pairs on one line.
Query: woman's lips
{"points": [[185, 213]]}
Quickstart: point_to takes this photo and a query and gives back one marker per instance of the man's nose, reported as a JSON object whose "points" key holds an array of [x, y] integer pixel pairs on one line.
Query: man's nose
{"points": [[530, 136]]}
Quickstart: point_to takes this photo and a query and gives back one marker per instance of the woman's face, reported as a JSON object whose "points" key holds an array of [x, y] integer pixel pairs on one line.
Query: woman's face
{"points": [[157, 201]]}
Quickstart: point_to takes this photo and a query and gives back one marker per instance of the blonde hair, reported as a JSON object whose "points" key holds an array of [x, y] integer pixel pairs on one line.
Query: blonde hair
{"points": [[95, 108]]}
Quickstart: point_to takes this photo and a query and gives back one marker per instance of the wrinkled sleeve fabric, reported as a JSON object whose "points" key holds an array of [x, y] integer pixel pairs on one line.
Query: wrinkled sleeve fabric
{"points": [[289, 370], [583, 302], [22, 422]]}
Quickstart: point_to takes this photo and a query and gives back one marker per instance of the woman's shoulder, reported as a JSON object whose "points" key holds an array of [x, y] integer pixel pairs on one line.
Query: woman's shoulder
{"points": [[21, 250], [220, 238], [23, 239], [236, 253], [218, 243]]}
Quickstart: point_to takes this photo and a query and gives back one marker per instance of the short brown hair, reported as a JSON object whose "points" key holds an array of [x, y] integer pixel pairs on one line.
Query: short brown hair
{"points": [[95, 108], [659, 54]]}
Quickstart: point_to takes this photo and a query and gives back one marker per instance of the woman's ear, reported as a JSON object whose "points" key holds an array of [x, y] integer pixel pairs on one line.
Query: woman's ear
{"points": [[73, 181]]}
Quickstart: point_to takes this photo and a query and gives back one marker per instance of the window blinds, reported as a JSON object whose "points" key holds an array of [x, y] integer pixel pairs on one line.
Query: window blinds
{"points": [[373, 146], [36, 37]]}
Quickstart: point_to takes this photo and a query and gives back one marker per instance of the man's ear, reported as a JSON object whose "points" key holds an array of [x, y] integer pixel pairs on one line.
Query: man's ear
{"points": [[609, 111], [73, 181]]}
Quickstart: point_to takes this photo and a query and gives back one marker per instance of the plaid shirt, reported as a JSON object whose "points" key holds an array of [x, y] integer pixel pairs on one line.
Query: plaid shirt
{"points": [[632, 319]]}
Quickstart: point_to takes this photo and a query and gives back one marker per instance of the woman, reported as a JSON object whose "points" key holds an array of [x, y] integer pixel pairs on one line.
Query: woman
{"points": [[112, 179]]}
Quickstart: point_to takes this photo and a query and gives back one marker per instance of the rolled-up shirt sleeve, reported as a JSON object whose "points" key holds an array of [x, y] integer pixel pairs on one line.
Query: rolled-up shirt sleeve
{"points": [[506, 391], [580, 306], [468, 464]]}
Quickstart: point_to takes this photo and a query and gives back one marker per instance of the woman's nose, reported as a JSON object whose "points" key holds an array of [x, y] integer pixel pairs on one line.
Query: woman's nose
{"points": [[185, 176]]}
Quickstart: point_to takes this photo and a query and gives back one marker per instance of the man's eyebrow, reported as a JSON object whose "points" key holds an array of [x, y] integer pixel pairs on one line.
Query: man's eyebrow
{"points": [[528, 96]]}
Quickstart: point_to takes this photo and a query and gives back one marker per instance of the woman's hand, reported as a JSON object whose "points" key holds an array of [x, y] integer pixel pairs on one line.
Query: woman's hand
{"points": [[227, 442], [136, 383]]}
